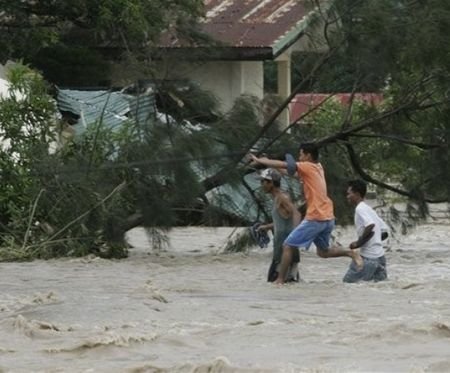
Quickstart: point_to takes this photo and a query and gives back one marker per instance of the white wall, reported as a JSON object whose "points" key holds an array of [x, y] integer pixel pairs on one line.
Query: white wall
{"points": [[227, 80]]}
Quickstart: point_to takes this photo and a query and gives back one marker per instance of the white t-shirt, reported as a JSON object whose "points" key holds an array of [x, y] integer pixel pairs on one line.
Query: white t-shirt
{"points": [[364, 216]]}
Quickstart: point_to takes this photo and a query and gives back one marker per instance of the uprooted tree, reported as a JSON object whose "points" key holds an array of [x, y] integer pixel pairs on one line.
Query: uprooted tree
{"points": [[83, 196]]}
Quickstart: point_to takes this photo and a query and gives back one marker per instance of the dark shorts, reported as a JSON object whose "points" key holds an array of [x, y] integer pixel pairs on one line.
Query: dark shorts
{"points": [[374, 270]]}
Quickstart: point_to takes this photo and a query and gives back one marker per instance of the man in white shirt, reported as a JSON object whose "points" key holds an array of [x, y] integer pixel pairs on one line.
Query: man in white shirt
{"points": [[369, 228]]}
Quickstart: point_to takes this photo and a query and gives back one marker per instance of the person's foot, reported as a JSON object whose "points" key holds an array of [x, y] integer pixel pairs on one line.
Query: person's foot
{"points": [[357, 259], [279, 281], [294, 274]]}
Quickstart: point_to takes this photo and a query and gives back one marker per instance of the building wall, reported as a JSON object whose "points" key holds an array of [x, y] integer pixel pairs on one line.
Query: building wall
{"points": [[227, 80]]}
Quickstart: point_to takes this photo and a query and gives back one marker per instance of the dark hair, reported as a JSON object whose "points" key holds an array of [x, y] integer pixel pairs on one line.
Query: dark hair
{"points": [[358, 186], [310, 148], [276, 183]]}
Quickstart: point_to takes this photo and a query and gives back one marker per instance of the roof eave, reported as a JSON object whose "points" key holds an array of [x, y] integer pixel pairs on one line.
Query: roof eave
{"points": [[288, 39], [221, 53]]}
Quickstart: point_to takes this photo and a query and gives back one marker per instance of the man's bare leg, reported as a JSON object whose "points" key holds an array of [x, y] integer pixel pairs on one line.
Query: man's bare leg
{"points": [[286, 260], [293, 274], [335, 252], [357, 258]]}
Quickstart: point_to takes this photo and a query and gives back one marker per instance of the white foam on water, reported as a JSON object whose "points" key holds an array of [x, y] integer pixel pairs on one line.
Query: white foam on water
{"points": [[191, 309]]}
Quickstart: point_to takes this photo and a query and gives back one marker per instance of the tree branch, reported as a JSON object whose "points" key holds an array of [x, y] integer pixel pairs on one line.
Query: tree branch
{"points": [[420, 145], [219, 178], [357, 167]]}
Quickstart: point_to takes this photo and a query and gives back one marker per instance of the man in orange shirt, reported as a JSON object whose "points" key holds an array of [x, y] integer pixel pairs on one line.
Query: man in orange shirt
{"points": [[319, 220]]}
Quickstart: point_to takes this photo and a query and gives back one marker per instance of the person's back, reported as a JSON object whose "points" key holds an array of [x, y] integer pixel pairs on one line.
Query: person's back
{"points": [[320, 206]]}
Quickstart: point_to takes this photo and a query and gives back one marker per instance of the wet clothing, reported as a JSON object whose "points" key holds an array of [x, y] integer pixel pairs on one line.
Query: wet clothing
{"points": [[374, 270], [309, 231], [281, 228], [319, 205], [319, 220], [372, 252], [364, 216]]}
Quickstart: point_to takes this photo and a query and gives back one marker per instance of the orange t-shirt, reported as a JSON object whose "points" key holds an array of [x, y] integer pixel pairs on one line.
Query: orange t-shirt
{"points": [[319, 205]]}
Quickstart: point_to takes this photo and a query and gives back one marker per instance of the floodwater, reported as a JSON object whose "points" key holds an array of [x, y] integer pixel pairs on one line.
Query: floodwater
{"points": [[191, 308]]}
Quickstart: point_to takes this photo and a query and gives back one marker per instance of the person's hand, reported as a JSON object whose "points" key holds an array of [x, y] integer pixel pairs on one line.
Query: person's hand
{"points": [[257, 160], [367, 235], [253, 159], [262, 227]]}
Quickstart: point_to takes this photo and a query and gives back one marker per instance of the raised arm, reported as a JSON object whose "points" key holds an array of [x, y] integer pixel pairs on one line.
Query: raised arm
{"points": [[269, 162]]}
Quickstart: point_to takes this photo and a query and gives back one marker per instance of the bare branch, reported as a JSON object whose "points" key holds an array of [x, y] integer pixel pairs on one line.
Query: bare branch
{"points": [[420, 145], [362, 173], [343, 135], [219, 178]]}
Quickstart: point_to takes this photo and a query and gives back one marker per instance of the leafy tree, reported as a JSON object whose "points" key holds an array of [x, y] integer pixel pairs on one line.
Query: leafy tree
{"points": [[91, 192], [395, 48], [84, 196], [71, 34]]}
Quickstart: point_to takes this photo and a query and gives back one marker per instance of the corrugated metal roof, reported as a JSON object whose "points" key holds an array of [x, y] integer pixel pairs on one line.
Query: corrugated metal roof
{"points": [[238, 201], [252, 23], [112, 108], [115, 108]]}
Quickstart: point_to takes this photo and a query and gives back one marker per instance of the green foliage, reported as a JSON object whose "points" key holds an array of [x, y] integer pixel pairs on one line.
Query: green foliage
{"points": [[186, 101], [78, 199], [72, 66], [398, 49], [43, 213], [65, 38], [240, 124], [127, 22], [26, 136], [385, 151]]}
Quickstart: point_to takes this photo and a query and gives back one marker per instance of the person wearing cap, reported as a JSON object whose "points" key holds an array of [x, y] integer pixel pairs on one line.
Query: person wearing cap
{"points": [[285, 217], [317, 225]]}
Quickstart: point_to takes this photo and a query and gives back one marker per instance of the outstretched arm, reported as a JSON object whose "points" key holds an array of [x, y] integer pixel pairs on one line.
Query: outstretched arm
{"points": [[269, 162]]}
